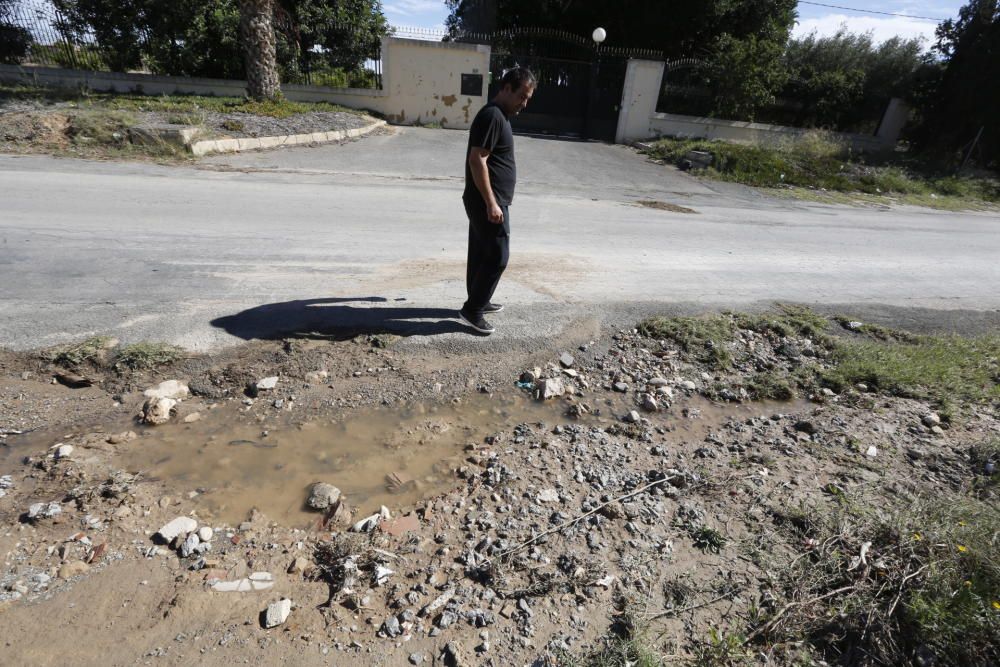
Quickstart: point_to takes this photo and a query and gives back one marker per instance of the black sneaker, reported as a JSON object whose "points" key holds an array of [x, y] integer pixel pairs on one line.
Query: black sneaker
{"points": [[478, 323], [493, 308]]}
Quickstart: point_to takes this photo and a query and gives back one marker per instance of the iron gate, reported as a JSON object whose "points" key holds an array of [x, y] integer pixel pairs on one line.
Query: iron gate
{"points": [[579, 83]]}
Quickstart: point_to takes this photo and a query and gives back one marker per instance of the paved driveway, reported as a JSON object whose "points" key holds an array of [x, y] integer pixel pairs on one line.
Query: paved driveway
{"points": [[545, 166]]}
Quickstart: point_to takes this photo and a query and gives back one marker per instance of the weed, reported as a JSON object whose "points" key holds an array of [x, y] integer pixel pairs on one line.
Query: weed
{"points": [[880, 584], [722, 650], [818, 162], [705, 338], [936, 368], [93, 349], [100, 127], [231, 125], [707, 539], [770, 386], [147, 356]]}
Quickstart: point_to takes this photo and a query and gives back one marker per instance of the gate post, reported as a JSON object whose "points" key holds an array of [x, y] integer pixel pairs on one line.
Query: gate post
{"points": [[640, 94]]}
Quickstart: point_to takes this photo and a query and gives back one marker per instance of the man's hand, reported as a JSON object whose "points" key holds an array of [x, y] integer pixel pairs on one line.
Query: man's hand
{"points": [[481, 177], [494, 213]]}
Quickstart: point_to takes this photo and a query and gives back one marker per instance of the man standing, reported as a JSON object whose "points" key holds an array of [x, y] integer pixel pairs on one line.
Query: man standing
{"points": [[489, 189]]}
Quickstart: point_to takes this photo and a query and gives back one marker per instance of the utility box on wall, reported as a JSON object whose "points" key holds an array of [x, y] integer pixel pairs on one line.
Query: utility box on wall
{"points": [[472, 84]]}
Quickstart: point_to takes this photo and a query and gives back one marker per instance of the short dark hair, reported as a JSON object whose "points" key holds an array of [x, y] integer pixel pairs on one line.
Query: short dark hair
{"points": [[517, 77]]}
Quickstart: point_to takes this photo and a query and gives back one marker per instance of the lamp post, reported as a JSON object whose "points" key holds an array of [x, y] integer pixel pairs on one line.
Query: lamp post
{"points": [[599, 35]]}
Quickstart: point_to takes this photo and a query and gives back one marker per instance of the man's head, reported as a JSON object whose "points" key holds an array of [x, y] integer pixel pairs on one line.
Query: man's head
{"points": [[516, 88]]}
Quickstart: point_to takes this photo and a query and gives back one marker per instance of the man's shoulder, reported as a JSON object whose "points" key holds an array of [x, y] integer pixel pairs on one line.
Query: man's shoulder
{"points": [[491, 111]]}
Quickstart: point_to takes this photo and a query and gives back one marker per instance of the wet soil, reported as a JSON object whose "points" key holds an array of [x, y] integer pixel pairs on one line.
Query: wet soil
{"points": [[501, 504]]}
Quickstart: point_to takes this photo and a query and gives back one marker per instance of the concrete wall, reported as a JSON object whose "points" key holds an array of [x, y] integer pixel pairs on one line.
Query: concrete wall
{"points": [[639, 119], [421, 83]]}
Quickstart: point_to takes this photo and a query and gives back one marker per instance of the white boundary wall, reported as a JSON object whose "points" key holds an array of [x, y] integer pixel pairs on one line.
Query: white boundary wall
{"points": [[639, 119], [421, 83]]}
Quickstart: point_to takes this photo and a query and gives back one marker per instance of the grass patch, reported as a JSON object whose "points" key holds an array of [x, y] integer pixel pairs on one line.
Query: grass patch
{"points": [[169, 104], [147, 356], [944, 369], [92, 350], [927, 586], [818, 162]]}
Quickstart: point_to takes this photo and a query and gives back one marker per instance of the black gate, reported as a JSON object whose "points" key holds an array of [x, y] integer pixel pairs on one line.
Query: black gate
{"points": [[580, 84]]}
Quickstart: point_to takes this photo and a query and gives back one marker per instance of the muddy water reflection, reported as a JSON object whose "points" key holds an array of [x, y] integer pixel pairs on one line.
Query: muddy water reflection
{"points": [[236, 466]]}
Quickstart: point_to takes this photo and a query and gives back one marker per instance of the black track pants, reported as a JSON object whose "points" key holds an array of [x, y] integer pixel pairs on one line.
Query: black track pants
{"points": [[489, 249]]}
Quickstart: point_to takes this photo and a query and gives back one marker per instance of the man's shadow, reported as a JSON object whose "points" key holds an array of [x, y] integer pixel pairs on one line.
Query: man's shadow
{"points": [[324, 319]]}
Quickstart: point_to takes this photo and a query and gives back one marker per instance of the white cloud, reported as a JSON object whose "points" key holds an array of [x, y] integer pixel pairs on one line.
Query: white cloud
{"points": [[882, 28]]}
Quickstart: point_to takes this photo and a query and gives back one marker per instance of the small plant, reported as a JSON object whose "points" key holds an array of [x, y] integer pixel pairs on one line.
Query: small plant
{"points": [[231, 125], [706, 338], [147, 356], [707, 539], [94, 349], [722, 650]]}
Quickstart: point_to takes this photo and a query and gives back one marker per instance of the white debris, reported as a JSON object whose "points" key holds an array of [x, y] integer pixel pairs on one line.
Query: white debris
{"points": [[547, 496], [63, 451], [265, 384], [258, 581], [157, 411], [381, 575], [367, 524], [44, 510], [277, 613], [872, 452], [205, 534], [173, 389], [182, 525]]}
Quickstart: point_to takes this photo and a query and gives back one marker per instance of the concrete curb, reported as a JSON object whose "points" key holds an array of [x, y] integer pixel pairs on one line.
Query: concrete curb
{"points": [[209, 146]]}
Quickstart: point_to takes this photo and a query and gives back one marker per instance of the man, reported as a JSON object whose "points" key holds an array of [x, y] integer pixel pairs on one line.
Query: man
{"points": [[489, 189]]}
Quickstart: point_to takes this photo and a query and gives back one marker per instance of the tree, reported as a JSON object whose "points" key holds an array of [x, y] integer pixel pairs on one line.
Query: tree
{"points": [[15, 40], [844, 81], [959, 95], [257, 35]]}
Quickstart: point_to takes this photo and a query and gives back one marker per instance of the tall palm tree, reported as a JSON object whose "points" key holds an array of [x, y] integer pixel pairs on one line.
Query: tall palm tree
{"points": [[257, 33]]}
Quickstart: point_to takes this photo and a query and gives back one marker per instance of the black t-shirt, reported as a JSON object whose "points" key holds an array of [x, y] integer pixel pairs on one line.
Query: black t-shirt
{"points": [[491, 130]]}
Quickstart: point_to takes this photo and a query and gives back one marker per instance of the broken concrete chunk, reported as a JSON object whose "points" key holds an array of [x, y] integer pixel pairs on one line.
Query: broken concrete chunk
{"points": [[277, 613], [550, 388], [266, 384], [367, 524], [182, 525], [44, 510], [258, 581], [174, 389]]}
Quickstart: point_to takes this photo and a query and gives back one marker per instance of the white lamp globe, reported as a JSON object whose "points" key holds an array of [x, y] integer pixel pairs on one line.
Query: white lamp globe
{"points": [[599, 35]]}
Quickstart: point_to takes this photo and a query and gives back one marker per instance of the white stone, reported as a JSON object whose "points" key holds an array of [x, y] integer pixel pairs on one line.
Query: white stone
{"points": [[44, 510], [190, 545], [205, 534], [367, 524], [689, 385], [632, 417], [193, 417], [872, 452], [547, 496], [381, 574], [277, 613], [63, 451], [657, 382], [174, 389], [182, 525], [267, 383], [550, 388], [157, 410]]}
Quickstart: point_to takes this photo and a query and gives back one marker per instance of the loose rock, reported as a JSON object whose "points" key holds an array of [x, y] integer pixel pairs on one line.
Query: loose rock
{"points": [[277, 613], [168, 389], [323, 496], [182, 525]]}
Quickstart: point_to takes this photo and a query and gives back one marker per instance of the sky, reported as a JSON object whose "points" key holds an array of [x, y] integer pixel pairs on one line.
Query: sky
{"points": [[824, 20]]}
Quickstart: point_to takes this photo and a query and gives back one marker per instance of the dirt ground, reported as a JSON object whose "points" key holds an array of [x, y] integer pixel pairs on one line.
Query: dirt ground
{"points": [[647, 485]]}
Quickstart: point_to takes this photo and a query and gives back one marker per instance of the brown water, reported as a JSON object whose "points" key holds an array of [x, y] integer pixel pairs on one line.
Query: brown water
{"points": [[236, 466]]}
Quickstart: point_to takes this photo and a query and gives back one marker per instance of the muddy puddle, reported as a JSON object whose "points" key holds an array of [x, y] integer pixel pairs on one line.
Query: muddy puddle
{"points": [[392, 456]]}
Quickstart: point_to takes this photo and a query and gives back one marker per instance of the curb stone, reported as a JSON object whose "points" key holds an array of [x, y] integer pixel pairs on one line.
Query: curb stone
{"points": [[209, 146]]}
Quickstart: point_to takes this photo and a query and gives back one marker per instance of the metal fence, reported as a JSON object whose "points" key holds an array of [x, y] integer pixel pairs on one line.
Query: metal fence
{"points": [[35, 32]]}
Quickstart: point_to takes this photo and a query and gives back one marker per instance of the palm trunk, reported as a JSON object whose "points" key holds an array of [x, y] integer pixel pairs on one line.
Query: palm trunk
{"points": [[257, 32]]}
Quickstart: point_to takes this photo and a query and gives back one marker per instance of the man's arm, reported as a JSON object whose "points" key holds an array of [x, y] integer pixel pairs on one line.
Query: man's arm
{"points": [[481, 177]]}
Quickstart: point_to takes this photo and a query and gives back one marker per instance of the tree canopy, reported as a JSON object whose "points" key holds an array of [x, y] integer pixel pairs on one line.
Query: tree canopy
{"points": [[959, 94], [202, 37], [14, 39]]}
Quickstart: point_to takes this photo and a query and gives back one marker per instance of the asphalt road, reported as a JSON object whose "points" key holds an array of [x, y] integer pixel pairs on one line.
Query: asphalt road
{"points": [[371, 235]]}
